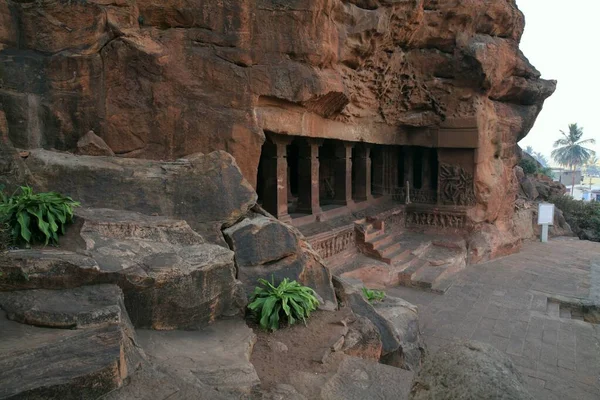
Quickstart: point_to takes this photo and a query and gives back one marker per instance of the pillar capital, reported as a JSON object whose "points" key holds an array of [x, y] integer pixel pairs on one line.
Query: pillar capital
{"points": [[279, 140]]}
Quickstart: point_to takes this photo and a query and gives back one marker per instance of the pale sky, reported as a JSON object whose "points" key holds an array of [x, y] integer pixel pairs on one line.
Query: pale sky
{"points": [[560, 41]]}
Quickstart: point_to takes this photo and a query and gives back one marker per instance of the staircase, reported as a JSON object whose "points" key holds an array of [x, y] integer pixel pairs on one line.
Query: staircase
{"points": [[412, 258]]}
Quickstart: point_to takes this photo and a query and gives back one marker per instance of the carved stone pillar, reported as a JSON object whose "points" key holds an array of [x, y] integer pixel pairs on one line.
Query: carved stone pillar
{"points": [[407, 156], [343, 173], [276, 185], [308, 178], [378, 170], [426, 170], [362, 166]]}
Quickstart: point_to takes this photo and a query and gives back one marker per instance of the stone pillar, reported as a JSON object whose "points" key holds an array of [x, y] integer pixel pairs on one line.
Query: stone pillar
{"points": [[343, 173], [407, 156], [426, 170], [308, 178], [378, 169], [362, 164], [276, 185]]}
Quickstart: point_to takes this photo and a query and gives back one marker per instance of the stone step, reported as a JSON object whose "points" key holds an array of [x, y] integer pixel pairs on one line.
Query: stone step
{"points": [[553, 309], [407, 274], [426, 276], [392, 248], [372, 233], [217, 356], [382, 241], [92, 357], [398, 256]]}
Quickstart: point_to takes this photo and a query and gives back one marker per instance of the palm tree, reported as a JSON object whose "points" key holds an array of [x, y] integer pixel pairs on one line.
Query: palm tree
{"points": [[569, 151], [529, 150]]}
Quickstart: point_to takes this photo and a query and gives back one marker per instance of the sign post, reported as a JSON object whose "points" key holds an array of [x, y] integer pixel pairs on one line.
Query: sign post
{"points": [[545, 218]]}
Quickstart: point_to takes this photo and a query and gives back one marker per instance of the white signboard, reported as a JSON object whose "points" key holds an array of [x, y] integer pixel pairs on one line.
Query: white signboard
{"points": [[546, 214]]}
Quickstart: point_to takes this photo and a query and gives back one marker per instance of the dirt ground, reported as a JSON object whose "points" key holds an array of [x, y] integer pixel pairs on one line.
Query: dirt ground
{"points": [[307, 346]]}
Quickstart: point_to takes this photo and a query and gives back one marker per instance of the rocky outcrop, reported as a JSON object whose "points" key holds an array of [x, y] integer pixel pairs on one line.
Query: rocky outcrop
{"points": [[536, 188], [67, 344], [164, 79], [207, 191], [170, 277], [265, 248], [469, 370], [395, 319]]}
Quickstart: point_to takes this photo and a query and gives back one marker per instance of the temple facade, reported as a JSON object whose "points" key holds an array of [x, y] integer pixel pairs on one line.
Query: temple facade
{"points": [[303, 179]]}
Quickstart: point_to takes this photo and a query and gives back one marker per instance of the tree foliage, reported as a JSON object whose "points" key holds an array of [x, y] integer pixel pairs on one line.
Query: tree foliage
{"points": [[570, 150]]}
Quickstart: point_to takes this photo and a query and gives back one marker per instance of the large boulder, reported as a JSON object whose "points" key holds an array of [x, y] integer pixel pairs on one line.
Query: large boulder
{"points": [[65, 344], [170, 277], [468, 371], [91, 144], [207, 191], [217, 356], [266, 248], [396, 320]]}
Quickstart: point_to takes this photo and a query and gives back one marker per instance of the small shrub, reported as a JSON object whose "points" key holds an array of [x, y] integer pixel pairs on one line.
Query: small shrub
{"points": [[546, 171], [290, 302], [583, 217], [36, 218], [529, 166], [373, 295]]}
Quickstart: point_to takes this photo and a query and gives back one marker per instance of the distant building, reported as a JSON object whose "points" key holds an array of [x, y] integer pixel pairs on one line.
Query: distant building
{"points": [[565, 176]]}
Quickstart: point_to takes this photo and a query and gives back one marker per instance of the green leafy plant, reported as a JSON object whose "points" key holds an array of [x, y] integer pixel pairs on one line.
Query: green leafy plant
{"points": [[529, 166], [34, 218], [289, 302], [373, 295]]}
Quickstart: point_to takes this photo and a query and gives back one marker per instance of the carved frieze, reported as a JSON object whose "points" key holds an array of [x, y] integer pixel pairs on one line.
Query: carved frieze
{"points": [[436, 219], [456, 186], [335, 244]]}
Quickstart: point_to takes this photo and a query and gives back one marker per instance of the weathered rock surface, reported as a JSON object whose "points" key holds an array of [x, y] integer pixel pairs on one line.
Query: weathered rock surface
{"points": [[358, 379], [396, 320], [363, 340], [38, 362], [148, 384], [171, 279], [66, 309], [217, 356], [91, 144], [207, 191], [266, 248], [161, 80], [259, 240], [469, 370]]}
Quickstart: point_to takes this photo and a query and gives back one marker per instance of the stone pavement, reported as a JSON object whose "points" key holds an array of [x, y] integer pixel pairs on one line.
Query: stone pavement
{"points": [[512, 304]]}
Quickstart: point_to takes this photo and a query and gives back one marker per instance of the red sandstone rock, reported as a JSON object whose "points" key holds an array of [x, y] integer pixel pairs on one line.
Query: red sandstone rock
{"points": [[93, 145], [162, 79]]}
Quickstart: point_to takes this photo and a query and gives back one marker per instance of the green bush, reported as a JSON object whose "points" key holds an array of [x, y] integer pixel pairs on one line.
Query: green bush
{"points": [[583, 217], [36, 218], [529, 166], [373, 295], [290, 302], [546, 171]]}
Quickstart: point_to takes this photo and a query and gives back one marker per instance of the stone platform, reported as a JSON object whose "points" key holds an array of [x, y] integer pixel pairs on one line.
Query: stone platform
{"points": [[526, 306]]}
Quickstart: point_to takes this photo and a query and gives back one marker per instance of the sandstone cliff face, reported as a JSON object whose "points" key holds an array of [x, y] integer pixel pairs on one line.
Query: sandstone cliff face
{"points": [[162, 79]]}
